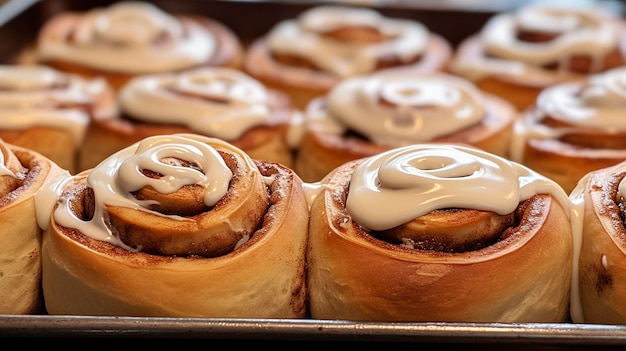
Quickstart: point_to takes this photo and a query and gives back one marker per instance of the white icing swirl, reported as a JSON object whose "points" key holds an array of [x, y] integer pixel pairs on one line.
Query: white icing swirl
{"points": [[397, 109], [304, 37], [597, 104], [400, 185], [215, 101], [114, 180], [581, 30], [4, 170], [123, 38], [32, 96]]}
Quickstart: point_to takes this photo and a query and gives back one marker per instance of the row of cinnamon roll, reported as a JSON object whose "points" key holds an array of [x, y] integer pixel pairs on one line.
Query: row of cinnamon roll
{"points": [[261, 198], [514, 55], [408, 99], [572, 129], [184, 225]]}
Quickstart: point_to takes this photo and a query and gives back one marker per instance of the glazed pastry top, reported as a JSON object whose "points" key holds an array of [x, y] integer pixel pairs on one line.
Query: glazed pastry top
{"points": [[132, 37], [115, 179], [307, 37], [596, 105], [219, 102], [568, 32], [414, 180], [33, 96], [399, 108]]}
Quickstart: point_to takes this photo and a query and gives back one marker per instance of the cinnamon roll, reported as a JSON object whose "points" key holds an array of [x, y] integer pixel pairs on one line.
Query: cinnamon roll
{"points": [[308, 55], [178, 226], [574, 128], [48, 111], [129, 38], [518, 54], [598, 292], [23, 173], [439, 232], [365, 115], [218, 102]]}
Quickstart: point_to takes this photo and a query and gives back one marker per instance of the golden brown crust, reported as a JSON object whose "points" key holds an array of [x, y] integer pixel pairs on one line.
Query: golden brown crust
{"points": [[229, 50], [354, 276], [20, 253], [262, 278], [603, 255], [319, 153], [54, 143], [260, 64], [567, 163]]}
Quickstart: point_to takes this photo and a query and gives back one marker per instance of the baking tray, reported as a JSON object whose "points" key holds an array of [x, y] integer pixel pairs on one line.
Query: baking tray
{"points": [[464, 336], [20, 21]]}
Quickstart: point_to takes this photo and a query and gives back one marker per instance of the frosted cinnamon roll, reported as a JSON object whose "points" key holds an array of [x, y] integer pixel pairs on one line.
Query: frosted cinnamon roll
{"points": [[518, 54], [23, 173], [574, 128], [598, 292], [48, 111], [308, 55], [439, 232], [365, 115], [179, 226], [129, 38], [218, 102]]}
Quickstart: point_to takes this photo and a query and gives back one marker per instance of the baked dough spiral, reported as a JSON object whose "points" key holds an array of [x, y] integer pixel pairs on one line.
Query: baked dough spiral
{"points": [[308, 55], [23, 173], [180, 226], [574, 128], [518, 54], [365, 115], [439, 232], [217, 102], [598, 282], [131, 38]]}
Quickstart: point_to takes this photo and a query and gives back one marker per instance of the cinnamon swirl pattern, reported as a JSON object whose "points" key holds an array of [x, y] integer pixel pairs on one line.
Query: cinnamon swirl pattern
{"points": [[23, 173], [598, 286], [574, 128], [48, 111], [518, 54], [218, 102], [308, 55], [365, 115], [398, 236], [132, 37], [178, 225]]}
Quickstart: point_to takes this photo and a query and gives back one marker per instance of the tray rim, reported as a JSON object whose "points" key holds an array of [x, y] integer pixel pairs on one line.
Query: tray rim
{"points": [[310, 329]]}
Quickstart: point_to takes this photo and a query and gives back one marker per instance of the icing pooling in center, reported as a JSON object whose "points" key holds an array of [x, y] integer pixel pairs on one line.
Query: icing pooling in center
{"points": [[402, 184], [397, 109]]}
